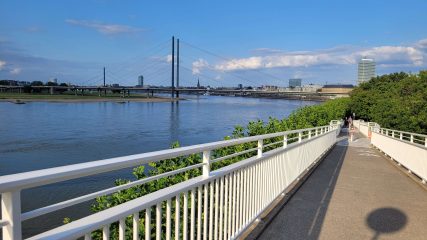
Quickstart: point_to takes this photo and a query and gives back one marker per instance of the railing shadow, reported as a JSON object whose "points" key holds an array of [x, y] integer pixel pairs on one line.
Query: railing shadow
{"points": [[303, 215]]}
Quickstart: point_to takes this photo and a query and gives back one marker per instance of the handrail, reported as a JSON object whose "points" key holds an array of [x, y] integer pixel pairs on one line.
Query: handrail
{"points": [[411, 139], [11, 185], [411, 133], [405, 148], [84, 198], [36, 178], [79, 227]]}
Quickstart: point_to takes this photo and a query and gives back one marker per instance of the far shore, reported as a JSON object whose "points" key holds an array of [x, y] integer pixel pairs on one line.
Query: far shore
{"points": [[20, 99]]}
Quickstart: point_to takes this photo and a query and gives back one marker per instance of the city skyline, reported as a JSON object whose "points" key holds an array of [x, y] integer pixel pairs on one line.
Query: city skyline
{"points": [[251, 44]]}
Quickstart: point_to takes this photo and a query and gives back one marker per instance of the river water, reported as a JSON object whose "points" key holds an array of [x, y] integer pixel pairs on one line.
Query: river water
{"points": [[41, 135]]}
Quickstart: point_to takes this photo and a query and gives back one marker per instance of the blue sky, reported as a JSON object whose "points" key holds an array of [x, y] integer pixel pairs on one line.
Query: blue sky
{"points": [[223, 43]]}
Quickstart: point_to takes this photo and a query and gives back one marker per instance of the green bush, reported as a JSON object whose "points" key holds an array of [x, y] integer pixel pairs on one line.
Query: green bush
{"points": [[397, 101], [305, 117]]}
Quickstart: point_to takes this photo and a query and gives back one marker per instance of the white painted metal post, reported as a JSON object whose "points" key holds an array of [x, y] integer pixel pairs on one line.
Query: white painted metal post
{"points": [[136, 226], [260, 146], [206, 162], [285, 140], [11, 212], [299, 136], [122, 229], [412, 138], [425, 142], [401, 136]]}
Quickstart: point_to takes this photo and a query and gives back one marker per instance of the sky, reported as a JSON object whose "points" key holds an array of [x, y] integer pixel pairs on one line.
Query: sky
{"points": [[222, 43]]}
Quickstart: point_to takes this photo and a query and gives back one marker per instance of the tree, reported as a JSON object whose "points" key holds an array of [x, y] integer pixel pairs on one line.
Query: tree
{"points": [[51, 84], [397, 101], [36, 83]]}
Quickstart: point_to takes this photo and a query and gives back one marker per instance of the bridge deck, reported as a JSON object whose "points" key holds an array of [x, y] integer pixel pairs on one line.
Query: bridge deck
{"points": [[355, 193]]}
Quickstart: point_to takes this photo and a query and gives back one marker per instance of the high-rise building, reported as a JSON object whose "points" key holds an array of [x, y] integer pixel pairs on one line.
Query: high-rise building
{"points": [[141, 81], [295, 82], [366, 70]]}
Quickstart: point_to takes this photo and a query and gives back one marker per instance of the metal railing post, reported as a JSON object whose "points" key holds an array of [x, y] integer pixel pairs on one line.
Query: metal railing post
{"points": [[317, 131], [299, 136], [285, 140], [11, 212], [401, 136], [309, 134], [425, 142], [260, 146], [412, 138], [206, 162]]}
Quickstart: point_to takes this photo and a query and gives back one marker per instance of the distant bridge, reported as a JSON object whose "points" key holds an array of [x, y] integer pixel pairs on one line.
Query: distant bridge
{"points": [[126, 90]]}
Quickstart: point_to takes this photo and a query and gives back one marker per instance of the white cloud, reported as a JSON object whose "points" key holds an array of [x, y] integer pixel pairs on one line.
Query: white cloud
{"points": [[394, 54], [109, 29], [198, 65], [342, 55], [15, 71], [422, 43], [2, 64], [169, 58]]}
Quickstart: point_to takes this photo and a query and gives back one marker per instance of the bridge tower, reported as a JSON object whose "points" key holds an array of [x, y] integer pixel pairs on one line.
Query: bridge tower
{"points": [[173, 66], [177, 67]]}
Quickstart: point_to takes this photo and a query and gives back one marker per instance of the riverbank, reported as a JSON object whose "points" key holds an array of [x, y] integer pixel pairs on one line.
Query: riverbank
{"points": [[65, 98]]}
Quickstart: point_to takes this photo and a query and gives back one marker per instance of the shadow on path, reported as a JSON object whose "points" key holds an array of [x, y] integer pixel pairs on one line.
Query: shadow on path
{"points": [[386, 220], [302, 217]]}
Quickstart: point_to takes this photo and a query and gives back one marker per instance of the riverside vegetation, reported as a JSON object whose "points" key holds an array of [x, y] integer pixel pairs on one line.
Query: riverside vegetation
{"points": [[305, 117], [396, 101]]}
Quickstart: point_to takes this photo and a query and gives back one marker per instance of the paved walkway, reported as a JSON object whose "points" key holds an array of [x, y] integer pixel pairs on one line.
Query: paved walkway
{"points": [[355, 193]]}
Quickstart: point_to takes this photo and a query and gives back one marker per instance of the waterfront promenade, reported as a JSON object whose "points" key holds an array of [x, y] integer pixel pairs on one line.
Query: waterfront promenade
{"points": [[340, 190], [355, 193]]}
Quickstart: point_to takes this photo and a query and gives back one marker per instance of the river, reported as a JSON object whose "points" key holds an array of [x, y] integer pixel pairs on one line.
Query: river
{"points": [[41, 135]]}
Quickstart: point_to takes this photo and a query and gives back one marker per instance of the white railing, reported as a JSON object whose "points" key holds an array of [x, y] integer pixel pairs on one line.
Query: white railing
{"points": [[365, 128], [217, 204], [408, 149]]}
